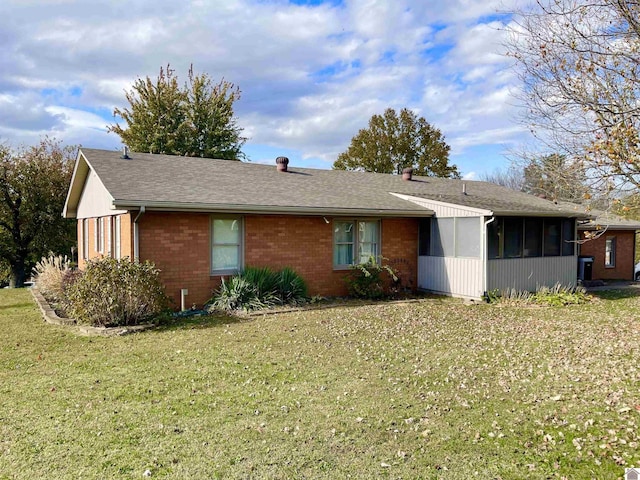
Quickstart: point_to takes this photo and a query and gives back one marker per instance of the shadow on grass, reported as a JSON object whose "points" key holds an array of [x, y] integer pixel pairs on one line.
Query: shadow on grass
{"points": [[199, 321], [616, 294]]}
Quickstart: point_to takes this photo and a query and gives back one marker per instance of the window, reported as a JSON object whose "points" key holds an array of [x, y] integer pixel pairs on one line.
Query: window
{"points": [[533, 237], [513, 237], [116, 238], [355, 241], [610, 252], [455, 237], [108, 234], [516, 237], [226, 245], [552, 237], [99, 235], [467, 237], [424, 239], [568, 237]]}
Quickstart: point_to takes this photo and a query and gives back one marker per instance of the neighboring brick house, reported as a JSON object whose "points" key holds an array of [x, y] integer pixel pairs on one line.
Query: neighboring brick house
{"points": [[611, 241], [201, 219]]}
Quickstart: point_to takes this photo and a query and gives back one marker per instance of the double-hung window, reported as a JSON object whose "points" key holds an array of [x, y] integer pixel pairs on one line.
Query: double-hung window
{"points": [[610, 252], [355, 241], [226, 245]]}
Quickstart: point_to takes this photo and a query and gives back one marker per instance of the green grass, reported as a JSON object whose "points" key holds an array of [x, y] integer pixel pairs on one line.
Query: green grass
{"points": [[435, 389]]}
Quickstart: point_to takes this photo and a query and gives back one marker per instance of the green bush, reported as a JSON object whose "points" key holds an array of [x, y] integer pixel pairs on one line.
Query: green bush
{"points": [[117, 292], [371, 280], [558, 295], [258, 288]]}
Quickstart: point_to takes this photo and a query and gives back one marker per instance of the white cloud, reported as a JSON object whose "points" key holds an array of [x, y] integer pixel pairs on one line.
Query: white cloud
{"points": [[310, 76]]}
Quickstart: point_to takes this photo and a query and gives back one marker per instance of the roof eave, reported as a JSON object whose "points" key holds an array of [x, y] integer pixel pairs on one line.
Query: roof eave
{"points": [[533, 213], [119, 204], [78, 177]]}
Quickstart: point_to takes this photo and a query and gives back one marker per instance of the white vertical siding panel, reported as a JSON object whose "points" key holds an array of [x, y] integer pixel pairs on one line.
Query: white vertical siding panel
{"points": [[442, 209], [531, 273], [95, 200], [452, 276]]}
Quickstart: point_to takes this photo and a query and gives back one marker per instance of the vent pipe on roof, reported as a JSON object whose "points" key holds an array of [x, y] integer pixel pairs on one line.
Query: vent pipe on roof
{"points": [[407, 174], [125, 153], [464, 188], [282, 163]]}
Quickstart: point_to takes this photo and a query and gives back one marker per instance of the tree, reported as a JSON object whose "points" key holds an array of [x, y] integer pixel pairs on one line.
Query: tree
{"points": [[555, 178], [511, 178], [33, 187], [196, 120], [578, 63], [392, 143]]}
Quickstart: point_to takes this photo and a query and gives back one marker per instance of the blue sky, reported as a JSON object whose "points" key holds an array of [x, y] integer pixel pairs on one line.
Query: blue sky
{"points": [[311, 72]]}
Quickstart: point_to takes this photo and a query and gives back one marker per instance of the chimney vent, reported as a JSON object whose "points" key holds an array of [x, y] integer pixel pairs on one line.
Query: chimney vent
{"points": [[282, 163], [464, 188], [407, 173], [125, 153]]}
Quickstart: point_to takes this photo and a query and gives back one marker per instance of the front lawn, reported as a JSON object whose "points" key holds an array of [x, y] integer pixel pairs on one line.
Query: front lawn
{"points": [[436, 389]]}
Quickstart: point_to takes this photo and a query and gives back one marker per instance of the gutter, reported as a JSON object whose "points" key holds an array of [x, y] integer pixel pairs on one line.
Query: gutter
{"points": [[266, 209], [485, 255], [136, 235]]}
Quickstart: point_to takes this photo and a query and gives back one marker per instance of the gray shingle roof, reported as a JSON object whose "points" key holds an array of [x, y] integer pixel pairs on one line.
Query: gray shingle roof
{"points": [[603, 219], [191, 181]]}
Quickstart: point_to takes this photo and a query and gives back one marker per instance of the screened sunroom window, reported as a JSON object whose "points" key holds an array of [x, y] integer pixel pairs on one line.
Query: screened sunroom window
{"points": [[226, 245]]}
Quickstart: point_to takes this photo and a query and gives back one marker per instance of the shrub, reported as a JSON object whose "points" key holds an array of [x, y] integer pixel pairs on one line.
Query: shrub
{"points": [[49, 273], [117, 292], [291, 287], [558, 295], [371, 280], [258, 288]]}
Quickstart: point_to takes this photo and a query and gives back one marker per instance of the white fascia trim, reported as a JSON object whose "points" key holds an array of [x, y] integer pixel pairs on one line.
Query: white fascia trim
{"points": [[267, 209], [412, 199]]}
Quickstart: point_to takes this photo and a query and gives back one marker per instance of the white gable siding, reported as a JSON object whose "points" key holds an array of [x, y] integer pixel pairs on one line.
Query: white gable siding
{"points": [[443, 209], [95, 200]]}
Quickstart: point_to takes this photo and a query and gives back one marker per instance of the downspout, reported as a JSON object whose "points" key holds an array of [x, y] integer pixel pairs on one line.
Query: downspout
{"points": [[485, 256], [136, 235]]}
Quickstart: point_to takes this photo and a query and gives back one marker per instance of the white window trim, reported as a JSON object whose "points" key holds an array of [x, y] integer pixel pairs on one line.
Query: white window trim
{"points": [[356, 241], [612, 253], [107, 230], [226, 271]]}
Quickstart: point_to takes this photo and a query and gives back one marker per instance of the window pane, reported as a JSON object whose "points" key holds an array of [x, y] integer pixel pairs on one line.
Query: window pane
{"points": [[610, 252], [226, 231], [343, 232], [551, 237], [368, 232], [568, 237], [342, 254], [366, 251], [424, 237], [468, 237], [532, 237], [512, 237], [225, 257], [442, 238], [494, 232]]}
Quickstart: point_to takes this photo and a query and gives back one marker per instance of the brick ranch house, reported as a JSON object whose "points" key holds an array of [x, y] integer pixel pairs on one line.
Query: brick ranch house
{"points": [[202, 219], [614, 247]]}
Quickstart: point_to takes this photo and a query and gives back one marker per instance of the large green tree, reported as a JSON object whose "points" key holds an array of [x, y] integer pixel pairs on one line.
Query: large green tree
{"points": [[578, 62], [196, 119], [33, 186], [393, 142], [555, 177]]}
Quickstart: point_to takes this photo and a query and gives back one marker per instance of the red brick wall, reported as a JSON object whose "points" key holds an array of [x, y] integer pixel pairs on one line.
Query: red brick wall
{"points": [[625, 251], [179, 244]]}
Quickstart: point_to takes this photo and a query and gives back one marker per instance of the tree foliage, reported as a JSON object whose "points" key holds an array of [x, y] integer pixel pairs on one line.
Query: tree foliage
{"points": [[194, 120], [33, 188], [512, 178], [393, 142], [578, 62], [554, 177]]}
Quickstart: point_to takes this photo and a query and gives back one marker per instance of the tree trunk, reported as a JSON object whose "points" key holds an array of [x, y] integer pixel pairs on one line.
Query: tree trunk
{"points": [[18, 274]]}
